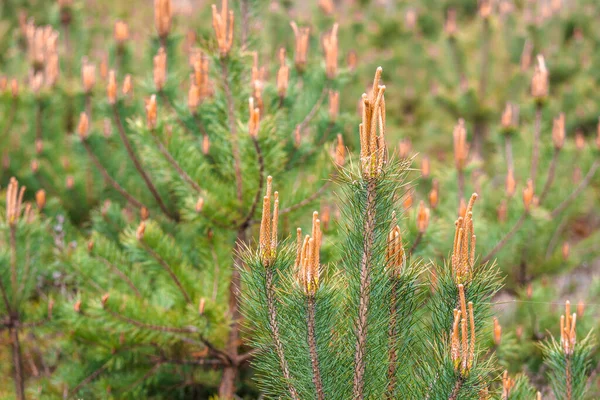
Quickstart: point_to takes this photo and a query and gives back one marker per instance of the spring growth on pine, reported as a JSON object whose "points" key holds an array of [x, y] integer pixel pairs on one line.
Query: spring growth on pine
{"points": [[308, 257], [162, 17], [463, 250], [283, 74], [223, 25], [330, 47], [268, 226], [302, 36], [372, 144], [558, 131]]}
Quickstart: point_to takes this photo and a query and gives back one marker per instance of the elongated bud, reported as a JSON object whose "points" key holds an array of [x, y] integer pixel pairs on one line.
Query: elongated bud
{"points": [[104, 299], [14, 201], [510, 117], [308, 258], [539, 82], [301, 46], [340, 151], [121, 32], [511, 183], [88, 75], [580, 308], [14, 87], [404, 148], [127, 85], [199, 204], [422, 217], [425, 168], [160, 69], [90, 246], [141, 230], [485, 8], [111, 87], [77, 306], [162, 17], [497, 332], [104, 67], [566, 250], [461, 147], [83, 126], [268, 227], [519, 332], [151, 112], [434, 195], [463, 251], [40, 199], [450, 26], [568, 337], [330, 46], [372, 130], [254, 120], [223, 25], [507, 385], [558, 131], [334, 105], [529, 291], [408, 200], [352, 60], [283, 74], [69, 182], [201, 306], [579, 140], [193, 98], [144, 213], [205, 144], [528, 195]]}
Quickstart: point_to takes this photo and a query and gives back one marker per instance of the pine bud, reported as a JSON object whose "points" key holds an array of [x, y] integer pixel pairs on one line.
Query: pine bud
{"points": [[3, 83], [139, 233], [507, 384], [35, 165], [77, 306], [352, 60], [90, 246], [14, 87], [373, 152], [70, 182], [528, 195], [519, 332], [497, 332], [104, 67], [529, 291], [434, 195], [199, 204], [144, 213], [566, 250], [39, 146], [404, 148], [410, 19], [461, 147], [408, 200], [334, 105], [160, 69], [539, 82], [502, 211], [340, 151], [201, 306], [193, 98], [127, 85], [510, 117], [325, 216], [425, 169], [151, 112], [88, 75], [580, 308], [40, 199], [511, 183], [104, 299], [223, 25], [283, 74], [254, 121], [462, 208], [301, 46], [111, 87], [330, 46], [83, 126], [485, 8], [50, 307], [450, 26], [422, 217], [205, 144], [162, 17], [121, 32], [558, 131], [297, 137]]}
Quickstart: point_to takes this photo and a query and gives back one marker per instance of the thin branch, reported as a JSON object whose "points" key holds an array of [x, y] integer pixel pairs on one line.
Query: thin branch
{"points": [[246, 356], [582, 185], [307, 200], [89, 378], [167, 268], [506, 238], [535, 155], [233, 131], [143, 378], [121, 274], [312, 345], [140, 324], [182, 174], [457, 387], [313, 111], [415, 243], [550, 178], [138, 164], [108, 179], [508, 151], [19, 376], [261, 180]]}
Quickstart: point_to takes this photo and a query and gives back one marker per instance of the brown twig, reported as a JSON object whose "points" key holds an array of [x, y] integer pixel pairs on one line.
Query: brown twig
{"points": [[121, 275], [89, 378], [307, 200], [312, 345], [582, 185], [506, 238], [109, 179], [138, 164], [535, 155], [261, 179], [18, 375], [457, 387], [550, 178], [416, 243], [313, 111]]}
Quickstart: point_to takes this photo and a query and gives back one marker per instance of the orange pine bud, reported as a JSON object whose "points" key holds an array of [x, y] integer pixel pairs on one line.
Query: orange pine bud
{"points": [[193, 97], [14, 87], [408, 200], [144, 213], [160, 69], [461, 147], [330, 46], [283, 74], [121, 32], [111, 87], [151, 113], [162, 17], [558, 131], [141, 230], [340, 151], [539, 82], [334, 105], [83, 126], [404, 148], [127, 85], [301, 46], [580, 308], [529, 291], [434, 195], [40, 199], [450, 25], [519, 332], [579, 140], [254, 120], [352, 60], [223, 25], [77, 306], [497, 332], [422, 217], [70, 182], [205, 144], [199, 204], [566, 250], [104, 299], [425, 168], [88, 75], [485, 8], [511, 183], [502, 211], [201, 306], [528, 195]]}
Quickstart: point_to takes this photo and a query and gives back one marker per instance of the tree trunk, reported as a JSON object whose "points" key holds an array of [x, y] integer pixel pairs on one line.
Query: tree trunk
{"points": [[18, 377]]}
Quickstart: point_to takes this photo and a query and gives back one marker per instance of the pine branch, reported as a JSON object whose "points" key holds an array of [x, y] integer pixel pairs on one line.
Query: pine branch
{"points": [[307, 200], [17, 362], [508, 150], [312, 344], [232, 130], [457, 387], [89, 378], [550, 178], [108, 179], [261, 176], [313, 111], [138, 164], [415, 243], [140, 324], [360, 356], [573, 196], [506, 238], [167, 268], [121, 275], [535, 155]]}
